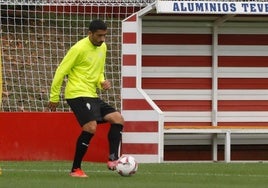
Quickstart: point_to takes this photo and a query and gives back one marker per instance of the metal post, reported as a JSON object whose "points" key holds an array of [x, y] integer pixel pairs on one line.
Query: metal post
{"points": [[227, 146]]}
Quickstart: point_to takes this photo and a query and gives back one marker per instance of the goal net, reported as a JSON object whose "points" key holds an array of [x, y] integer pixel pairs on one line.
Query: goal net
{"points": [[36, 34]]}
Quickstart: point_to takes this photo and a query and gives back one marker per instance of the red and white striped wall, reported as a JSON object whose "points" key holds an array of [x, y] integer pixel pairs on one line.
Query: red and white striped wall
{"points": [[190, 70], [143, 119], [177, 71]]}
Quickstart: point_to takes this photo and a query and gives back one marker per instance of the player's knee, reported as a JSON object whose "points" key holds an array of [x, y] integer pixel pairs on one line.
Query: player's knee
{"points": [[115, 117], [90, 127], [120, 119]]}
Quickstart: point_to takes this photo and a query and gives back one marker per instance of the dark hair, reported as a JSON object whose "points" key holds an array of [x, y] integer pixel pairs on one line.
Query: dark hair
{"points": [[97, 25]]}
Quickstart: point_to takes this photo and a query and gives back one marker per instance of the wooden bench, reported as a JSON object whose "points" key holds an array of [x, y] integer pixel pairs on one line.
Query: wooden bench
{"points": [[216, 130]]}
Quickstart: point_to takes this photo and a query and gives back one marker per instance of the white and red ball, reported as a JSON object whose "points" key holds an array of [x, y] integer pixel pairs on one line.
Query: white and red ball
{"points": [[127, 165]]}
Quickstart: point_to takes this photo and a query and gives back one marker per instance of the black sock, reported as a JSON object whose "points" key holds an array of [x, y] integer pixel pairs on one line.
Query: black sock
{"points": [[114, 138], [81, 148]]}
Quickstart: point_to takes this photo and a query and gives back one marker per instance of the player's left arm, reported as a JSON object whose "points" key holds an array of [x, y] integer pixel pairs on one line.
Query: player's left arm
{"points": [[103, 83], [106, 84]]}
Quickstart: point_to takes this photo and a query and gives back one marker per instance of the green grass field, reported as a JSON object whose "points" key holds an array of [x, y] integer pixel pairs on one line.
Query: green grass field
{"points": [[50, 174]]}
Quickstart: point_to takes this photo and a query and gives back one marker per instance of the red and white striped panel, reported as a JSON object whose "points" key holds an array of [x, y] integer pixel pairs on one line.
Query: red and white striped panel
{"points": [[243, 76], [141, 136], [177, 71]]}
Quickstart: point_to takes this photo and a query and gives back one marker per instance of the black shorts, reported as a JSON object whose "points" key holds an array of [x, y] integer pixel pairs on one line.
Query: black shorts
{"points": [[89, 109]]}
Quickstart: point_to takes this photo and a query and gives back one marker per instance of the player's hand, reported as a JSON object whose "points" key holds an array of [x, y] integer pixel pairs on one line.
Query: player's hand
{"points": [[52, 106], [106, 84]]}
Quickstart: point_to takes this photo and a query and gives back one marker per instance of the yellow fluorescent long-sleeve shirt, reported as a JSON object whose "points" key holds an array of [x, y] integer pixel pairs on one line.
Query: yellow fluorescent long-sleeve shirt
{"points": [[84, 67]]}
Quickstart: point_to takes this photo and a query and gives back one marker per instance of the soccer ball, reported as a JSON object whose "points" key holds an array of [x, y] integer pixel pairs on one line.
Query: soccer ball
{"points": [[127, 165]]}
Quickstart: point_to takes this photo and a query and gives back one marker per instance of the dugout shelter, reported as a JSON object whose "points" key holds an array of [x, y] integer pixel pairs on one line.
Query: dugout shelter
{"points": [[195, 64]]}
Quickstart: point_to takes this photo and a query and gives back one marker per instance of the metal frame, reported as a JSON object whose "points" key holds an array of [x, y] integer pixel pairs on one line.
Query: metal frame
{"points": [[216, 131]]}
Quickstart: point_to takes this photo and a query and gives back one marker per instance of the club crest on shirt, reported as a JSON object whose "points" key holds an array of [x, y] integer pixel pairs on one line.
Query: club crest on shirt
{"points": [[88, 106]]}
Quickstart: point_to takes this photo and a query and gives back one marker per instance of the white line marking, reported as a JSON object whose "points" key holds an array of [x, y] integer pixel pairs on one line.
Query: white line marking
{"points": [[143, 172], [49, 170]]}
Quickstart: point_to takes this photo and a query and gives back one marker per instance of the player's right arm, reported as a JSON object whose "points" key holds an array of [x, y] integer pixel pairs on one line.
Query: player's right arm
{"points": [[63, 69], [53, 105]]}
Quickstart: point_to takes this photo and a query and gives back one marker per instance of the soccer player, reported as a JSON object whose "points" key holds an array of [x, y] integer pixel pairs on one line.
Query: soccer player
{"points": [[84, 65]]}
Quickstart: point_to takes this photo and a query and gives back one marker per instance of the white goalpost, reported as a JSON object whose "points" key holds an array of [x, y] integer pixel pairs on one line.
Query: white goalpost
{"points": [[35, 35]]}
